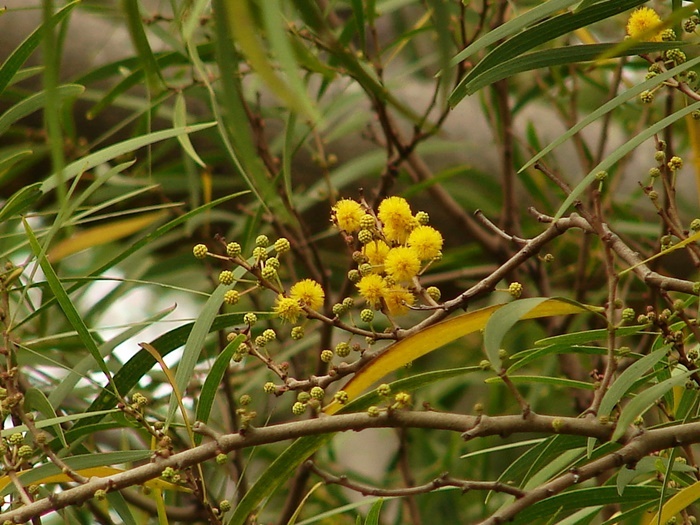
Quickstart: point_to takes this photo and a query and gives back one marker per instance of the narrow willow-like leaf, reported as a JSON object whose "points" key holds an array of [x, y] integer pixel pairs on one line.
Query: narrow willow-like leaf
{"points": [[71, 313], [35, 102], [417, 345], [620, 152], [72, 418], [134, 21], [536, 35], [212, 382], [35, 399], [680, 244], [501, 322], [644, 401], [121, 507], [180, 120], [609, 106], [20, 55], [677, 503], [20, 201], [109, 153], [374, 513], [560, 56], [578, 338], [526, 357], [512, 26], [545, 380], [102, 234]]}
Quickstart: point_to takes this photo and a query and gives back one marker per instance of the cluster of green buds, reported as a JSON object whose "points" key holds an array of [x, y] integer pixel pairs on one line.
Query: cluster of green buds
{"points": [[398, 401], [394, 249], [14, 451]]}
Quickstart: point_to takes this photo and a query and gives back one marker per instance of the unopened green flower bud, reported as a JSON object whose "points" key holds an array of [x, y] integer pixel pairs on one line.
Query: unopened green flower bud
{"points": [[200, 251], [232, 297], [226, 277], [298, 408], [269, 387], [262, 241], [250, 318], [422, 218], [233, 249], [434, 293], [317, 393], [297, 332], [366, 315], [326, 356], [282, 245], [342, 349]]}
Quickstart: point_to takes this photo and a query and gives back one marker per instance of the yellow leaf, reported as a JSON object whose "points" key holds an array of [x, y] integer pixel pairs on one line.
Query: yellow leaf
{"points": [[693, 238], [103, 234], [694, 134], [100, 472], [417, 345], [677, 503]]}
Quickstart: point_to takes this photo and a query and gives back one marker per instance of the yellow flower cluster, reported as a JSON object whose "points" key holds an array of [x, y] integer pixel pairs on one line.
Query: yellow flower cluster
{"points": [[396, 246], [642, 23], [306, 293]]}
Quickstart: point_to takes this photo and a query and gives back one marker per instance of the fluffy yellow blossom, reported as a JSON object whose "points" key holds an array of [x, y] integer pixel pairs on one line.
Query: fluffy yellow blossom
{"points": [[288, 309], [375, 252], [642, 23], [398, 299], [309, 293], [402, 263], [373, 288], [347, 214], [426, 241], [395, 214]]}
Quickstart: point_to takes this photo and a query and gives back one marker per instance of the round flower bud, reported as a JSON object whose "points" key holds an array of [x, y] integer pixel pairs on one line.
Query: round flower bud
{"points": [[273, 262], [675, 55], [695, 225], [434, 293], [373, 411], [654, 172], [317, 393], [233, 249], [260, 341], [422, 218], [365, 236], [297, 332], [668, 35], [225, 505], [485, 364], [200, 251], [654, 195], [366, 222], [515, 290], [259, 253], [365, 269], [269, 335], [660, 156], [269, 387], [548, 257], [348, 302], [342, 349], [100, 495], [221, 459], [262, 241], [226, 277], [628, 315], [326, 356], [303, 397], [282, 245], [384, 390], [268, 272], [646, 97], [244, 400], [696, 287], [675, 163], [354, 276], [341, 396], [25, 451], [15, 439], [402, 399], [298, 408], [250, 318], [338, 309], [232, 297], [367, 315], [678, 305], [601, 176]]}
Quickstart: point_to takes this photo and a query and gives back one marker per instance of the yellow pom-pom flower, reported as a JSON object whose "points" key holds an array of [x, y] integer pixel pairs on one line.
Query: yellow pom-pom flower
{"points": [[641, 25], [402, 263], [426, 241], [373, 288], [395, 214], [398, 299], [375, 252], [309, 293], [288, 309], [347, 214]]}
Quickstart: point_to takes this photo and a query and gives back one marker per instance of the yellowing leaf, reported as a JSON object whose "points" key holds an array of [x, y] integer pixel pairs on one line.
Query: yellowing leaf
{"points": [[694, 135], [99, 235], [693, 238], [417, 345], [100, 472], [677, 503]]}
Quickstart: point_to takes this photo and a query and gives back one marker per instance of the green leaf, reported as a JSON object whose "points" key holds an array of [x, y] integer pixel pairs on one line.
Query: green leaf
{"points": [[501, 322], [620, 152], [20, 55], [20, 201], [35, 102], [556, 381], [555, 57], [180, 120], [588, 336], [36, 400], [134, 21], [374, 512], [71, 313], [212, 382], [109, 153], [644, 401]]}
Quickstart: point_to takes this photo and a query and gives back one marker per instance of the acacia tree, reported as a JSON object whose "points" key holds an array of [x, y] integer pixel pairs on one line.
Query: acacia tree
{"points": [[362, 216]]}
